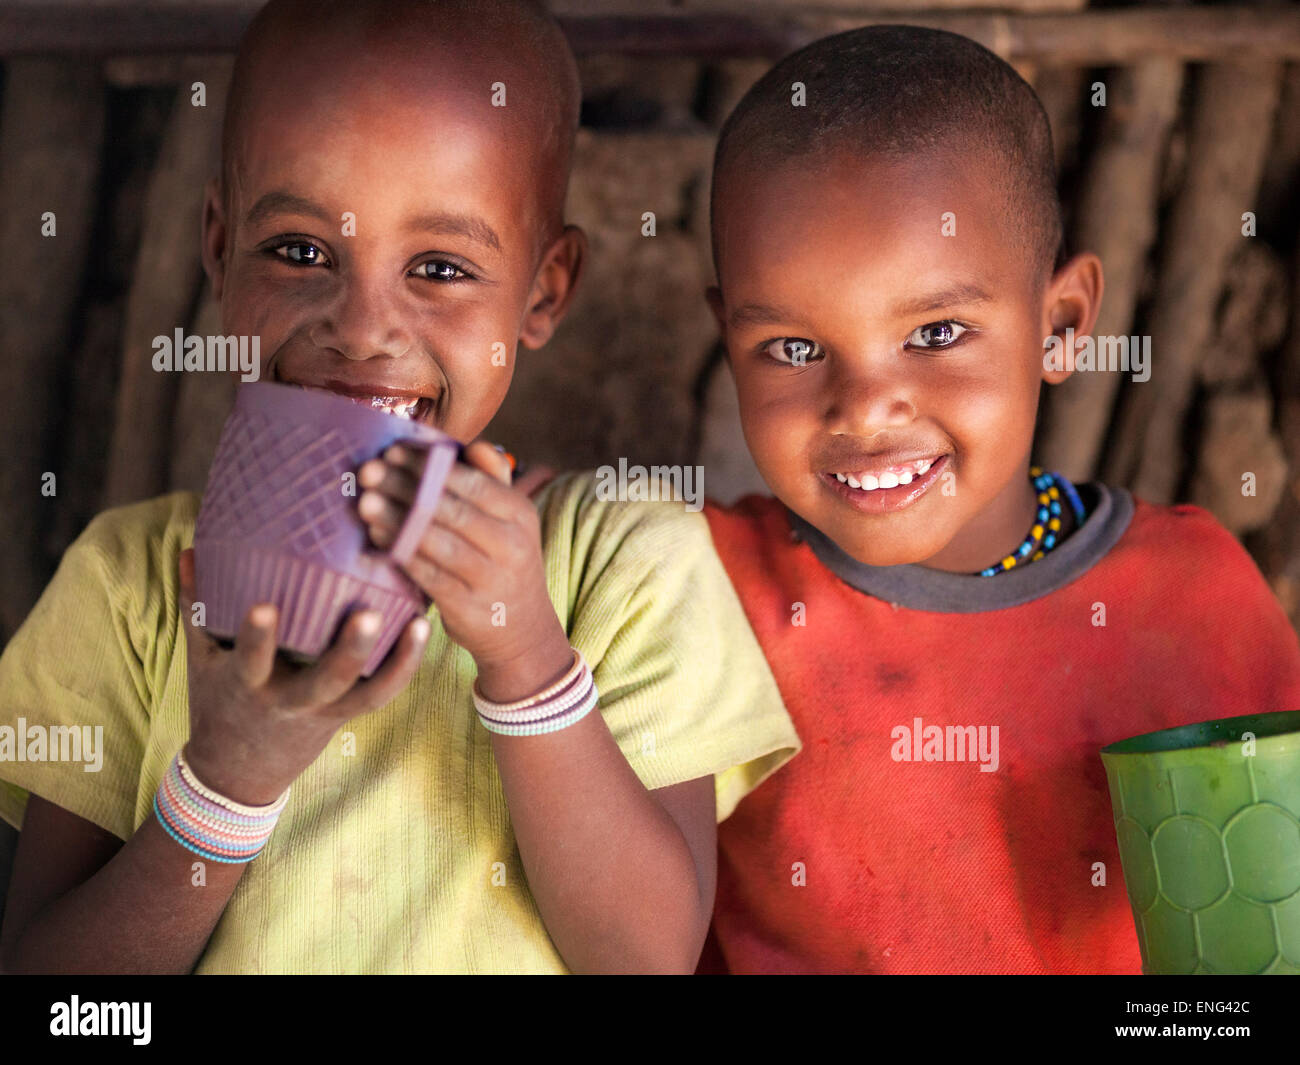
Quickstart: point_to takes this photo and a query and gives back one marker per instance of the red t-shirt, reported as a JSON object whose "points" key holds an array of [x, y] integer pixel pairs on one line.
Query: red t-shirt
{"points": [[850, 859]]}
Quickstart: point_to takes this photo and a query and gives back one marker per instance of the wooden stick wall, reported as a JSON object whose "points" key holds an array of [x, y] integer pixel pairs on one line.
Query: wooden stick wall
{"points": [[1201, 125]]}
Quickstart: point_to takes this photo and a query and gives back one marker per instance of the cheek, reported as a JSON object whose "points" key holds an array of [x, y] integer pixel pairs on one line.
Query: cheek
{"points": [[254, 303]]}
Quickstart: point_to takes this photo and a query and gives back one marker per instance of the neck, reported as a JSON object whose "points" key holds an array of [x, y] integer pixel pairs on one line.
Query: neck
{"points": [[997, 531]]}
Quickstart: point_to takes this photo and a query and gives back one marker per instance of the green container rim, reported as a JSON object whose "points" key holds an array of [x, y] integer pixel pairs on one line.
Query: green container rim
{"points": [[1277, 732]]}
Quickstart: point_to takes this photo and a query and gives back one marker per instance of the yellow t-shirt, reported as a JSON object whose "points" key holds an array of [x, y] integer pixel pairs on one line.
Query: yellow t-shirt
{"points": [[386, 859]]}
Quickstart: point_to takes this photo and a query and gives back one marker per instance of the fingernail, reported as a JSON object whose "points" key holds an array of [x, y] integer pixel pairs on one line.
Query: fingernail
{"points": [[420, 629], [369, 503], [368, 623], [262, 615]]}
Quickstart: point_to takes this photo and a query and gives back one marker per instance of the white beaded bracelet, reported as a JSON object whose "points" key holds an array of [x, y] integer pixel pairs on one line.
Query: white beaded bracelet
{"points": [[558, 707]]}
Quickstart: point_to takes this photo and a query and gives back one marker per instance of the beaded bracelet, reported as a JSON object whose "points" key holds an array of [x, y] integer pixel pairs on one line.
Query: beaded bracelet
{"points": [[562, 704], [209, 824]]}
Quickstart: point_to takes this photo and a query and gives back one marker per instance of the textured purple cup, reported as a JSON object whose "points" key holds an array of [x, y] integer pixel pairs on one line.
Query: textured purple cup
{"points": [[278, 526]]}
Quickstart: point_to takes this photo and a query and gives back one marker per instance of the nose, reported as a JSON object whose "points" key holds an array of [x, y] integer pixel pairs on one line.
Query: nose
{"points": [[365, 320], [864, 397]]}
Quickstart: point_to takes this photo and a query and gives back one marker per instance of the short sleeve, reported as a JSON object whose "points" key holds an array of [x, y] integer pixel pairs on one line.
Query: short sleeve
{"points": [[73, 717], [684, 686]]}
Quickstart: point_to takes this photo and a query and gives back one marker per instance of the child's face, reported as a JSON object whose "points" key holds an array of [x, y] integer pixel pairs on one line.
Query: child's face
{"points": [[919, 347], [386, 235]]}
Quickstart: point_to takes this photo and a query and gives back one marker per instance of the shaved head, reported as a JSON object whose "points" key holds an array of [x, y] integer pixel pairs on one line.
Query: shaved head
{"points": [[900, 92], [407, 48]]}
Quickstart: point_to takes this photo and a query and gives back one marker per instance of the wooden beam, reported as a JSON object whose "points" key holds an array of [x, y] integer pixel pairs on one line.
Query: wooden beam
{"points": [[1232, 120], [165, 285], [51, 130], [1083, 38], [1116, 218]]}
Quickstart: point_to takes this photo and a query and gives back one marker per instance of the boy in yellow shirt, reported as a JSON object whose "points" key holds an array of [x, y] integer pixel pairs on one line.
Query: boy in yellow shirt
{"points": [[414, 839]]}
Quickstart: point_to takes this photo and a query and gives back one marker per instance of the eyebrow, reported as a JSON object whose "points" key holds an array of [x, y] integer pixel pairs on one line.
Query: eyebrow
{"points": [[769, 314], [761, 314], [457, 225], [443, 222], [948, 297]]}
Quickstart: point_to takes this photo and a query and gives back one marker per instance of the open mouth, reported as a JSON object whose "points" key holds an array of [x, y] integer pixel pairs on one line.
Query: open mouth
{"points": [[889, 488], [413, 408], [889, 476]]}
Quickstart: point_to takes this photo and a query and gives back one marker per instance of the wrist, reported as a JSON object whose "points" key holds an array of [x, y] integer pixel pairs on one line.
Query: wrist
{"points": [[231, 785], [535, 669]]}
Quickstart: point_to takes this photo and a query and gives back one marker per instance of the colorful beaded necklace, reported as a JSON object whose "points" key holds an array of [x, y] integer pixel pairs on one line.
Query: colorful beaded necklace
{"points": [[1047, 522]]}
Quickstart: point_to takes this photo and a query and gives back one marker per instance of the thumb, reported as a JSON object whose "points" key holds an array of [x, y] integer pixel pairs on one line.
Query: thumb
{"points": [[491, 459]]}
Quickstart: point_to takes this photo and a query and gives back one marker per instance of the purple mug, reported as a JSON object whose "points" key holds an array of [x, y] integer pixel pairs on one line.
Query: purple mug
{"points": [[279, 525]]}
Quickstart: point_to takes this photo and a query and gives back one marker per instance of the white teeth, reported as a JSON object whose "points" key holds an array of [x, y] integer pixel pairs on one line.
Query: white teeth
{"points": [[869, 482]]}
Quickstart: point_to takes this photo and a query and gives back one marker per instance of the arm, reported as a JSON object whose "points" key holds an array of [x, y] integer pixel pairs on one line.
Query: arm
{"points": [[82, 901], [623, 877]]}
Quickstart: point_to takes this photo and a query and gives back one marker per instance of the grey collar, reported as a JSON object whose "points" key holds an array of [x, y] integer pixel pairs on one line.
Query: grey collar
{"points": [[1109, 511]]}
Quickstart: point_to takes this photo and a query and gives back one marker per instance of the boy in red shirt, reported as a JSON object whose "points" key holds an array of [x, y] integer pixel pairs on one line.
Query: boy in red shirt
{"points": [[955, 633]]}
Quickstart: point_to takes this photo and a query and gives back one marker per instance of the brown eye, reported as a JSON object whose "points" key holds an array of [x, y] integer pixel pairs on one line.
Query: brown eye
{"points": [[440, 270], [936, 335], [795, 351], [301, 253]]}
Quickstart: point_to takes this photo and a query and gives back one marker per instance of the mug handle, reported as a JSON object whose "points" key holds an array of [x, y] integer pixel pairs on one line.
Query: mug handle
{"points": [[437, 465]]}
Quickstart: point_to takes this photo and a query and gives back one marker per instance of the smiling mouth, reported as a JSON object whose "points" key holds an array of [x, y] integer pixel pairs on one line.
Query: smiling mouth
{"points": [[885, 490], [888, 476], [409, 407]]}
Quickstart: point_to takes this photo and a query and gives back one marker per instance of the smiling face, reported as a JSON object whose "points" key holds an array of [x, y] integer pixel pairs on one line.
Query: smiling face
{"points": [[386, 230], [869, 348]]}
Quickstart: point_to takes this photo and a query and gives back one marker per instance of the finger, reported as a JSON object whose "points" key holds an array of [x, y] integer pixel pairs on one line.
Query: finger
{"points": [[394, 481], [490, 458], [391, 677], [441, 585], [255, 645], [383, 515], [456, 554], [339, 667], [409, 459], [483, 491]]}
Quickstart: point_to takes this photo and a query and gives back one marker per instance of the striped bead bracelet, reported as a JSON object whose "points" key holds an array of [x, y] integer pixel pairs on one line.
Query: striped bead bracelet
{"points": [[209, 824]]}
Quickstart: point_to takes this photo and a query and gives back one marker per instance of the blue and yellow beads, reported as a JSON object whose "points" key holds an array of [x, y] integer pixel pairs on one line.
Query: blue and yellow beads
{"points": [[1044, 534]]}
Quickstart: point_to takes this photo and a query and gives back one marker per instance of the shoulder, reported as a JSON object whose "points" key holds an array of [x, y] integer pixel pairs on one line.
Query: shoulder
{"points": [[583, 515], [1186, 558], [139, 543], [1184, 536]]}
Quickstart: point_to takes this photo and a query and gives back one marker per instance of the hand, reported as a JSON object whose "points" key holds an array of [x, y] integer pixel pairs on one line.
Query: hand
{"points": [[256, 722], [480, 560]]}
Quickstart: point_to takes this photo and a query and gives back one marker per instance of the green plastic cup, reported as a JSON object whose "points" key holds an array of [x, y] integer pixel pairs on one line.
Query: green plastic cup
{"points": [[1208, 823]]}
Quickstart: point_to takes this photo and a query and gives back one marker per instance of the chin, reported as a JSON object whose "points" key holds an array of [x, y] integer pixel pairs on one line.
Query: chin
{"points": [[870, 550]]}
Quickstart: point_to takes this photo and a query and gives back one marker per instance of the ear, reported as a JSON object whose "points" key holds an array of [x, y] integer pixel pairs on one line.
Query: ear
{"points": [[553, 288], [1072, 301], [213, 237]]}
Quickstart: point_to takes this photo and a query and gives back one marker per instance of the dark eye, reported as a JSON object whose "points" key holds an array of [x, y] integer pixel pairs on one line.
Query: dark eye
{"points": [[935, 335], [794, 351], [440, 270], [301, 253]]}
